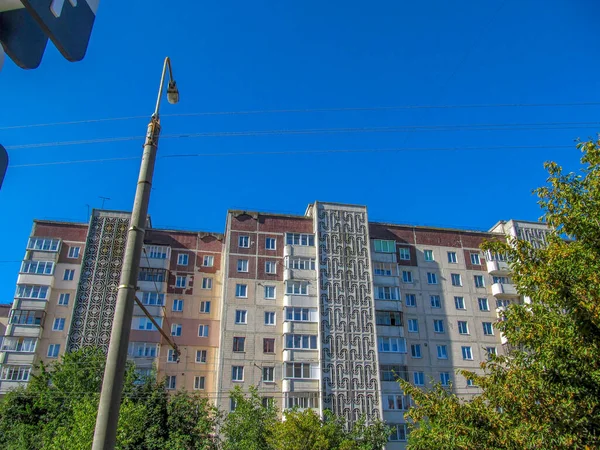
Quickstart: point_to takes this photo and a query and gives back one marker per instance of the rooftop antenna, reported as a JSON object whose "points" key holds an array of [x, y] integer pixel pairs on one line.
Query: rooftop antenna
{"points": [[103, 200]]}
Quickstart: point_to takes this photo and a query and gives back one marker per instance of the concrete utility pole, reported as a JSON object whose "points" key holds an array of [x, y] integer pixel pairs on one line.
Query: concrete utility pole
{"points": [[105, 433]]}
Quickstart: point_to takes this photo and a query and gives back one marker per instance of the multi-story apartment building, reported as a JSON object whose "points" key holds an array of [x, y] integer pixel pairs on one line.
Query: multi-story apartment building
{"points": [[322, 311]]}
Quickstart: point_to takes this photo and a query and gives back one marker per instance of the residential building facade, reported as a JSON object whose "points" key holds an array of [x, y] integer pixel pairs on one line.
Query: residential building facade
{"points": [[324, 310]]}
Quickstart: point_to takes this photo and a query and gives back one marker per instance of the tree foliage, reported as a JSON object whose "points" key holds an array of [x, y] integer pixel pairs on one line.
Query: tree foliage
{"points": [[57, 410], [545, 393]]}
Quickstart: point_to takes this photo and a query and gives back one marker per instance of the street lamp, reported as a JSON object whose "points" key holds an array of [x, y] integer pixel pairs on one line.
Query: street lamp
{"points": [[110, 398]]}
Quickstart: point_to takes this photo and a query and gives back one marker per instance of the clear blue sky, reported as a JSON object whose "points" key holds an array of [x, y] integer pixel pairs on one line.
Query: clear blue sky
{"points": [[236, 56]]}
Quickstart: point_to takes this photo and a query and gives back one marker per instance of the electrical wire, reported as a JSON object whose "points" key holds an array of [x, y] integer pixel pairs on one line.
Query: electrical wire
{"points": [[310, 110], [312, 131], [300, 152]]}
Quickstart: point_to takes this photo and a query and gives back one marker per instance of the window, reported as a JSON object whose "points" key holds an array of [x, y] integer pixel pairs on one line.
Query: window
{"points": [[239, 344], [415, 350], [201, 356], [270, 292], [178, 305], [479, 281], [470, 383], [431, 278], [26, 317], [392, 372], [442, 352], [411, 300], [206, 283], [244, 241], [50, 245], [37, 267], [301, 263], [445, 378], [63, 299], [69, 275], [156, 251], [152, 298], [154, 275], [269, 317], [404, 253], [300, 314], [397, 401], [180, 281], [467, 353], [300, 239], [386, 293], [53, 350], [176, 329], [459, 302], [502, 303], [270, 267], [31, 291], [301, 341], [436, 301], [384, 269], [388, 318], [475, 259], [232, 404], [385, 246], [398, 432], [171, 382], [59, 324], [18, 344], [391, 345], [413, 325], [297, 287], [306, 400], [452, 257], [487, 328], [491, 351], [241, 290], [142, 350], [438, 326], [504, 280], [202, 330], [268, 374], [418, 378], [428, 255], [199, 383], [208, 261], [483, 304], [242, 265], [268, 345], [456, 279], [144, 323], [172, 357], [182, 259], [205, 307], [237, 373], [298, 370], [15, 373], [463, 327], [240, 316], [407, 276], [270, 243]]}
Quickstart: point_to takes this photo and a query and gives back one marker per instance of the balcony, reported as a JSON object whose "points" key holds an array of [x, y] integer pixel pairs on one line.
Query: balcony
{"points": [[14, 329], [300, 251], [7, 385], [28, 304], [291, 355], [299, 274], [498, 268], [504, 290], [17, 358], [306, 301], [300, 327], [36, 279], [300, 384]]}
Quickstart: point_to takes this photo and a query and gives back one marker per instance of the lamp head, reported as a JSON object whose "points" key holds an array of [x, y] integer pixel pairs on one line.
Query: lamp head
{"points": [[172, 92]]}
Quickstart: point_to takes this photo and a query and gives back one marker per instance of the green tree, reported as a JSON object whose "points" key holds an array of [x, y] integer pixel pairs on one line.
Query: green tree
{"points": [[250, 425], [545, 393], [57, 410]]}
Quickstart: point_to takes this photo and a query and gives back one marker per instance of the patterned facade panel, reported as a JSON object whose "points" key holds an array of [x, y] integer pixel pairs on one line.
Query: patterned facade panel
{"points": [[349, 362], [100, 274]]}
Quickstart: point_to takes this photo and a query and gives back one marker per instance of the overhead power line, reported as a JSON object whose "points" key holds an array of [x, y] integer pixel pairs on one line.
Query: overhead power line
{"points": [[310, 110], [309, 131], [303, 152]]}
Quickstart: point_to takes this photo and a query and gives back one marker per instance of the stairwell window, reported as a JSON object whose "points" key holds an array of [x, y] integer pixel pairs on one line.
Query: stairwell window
{"points": [[404, 253], [69, 275], [63, 299], [59, 324]]}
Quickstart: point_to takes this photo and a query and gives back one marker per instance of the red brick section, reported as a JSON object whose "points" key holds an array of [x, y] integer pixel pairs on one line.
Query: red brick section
{"points": [[468, 260], [69, 232], [243, 222], [402, 235], [233, 272], [144, 336], [64, 252], [175, 252], [234, 243], [216, 266], [171, 289], [279, 243], [438, 237], [262, 275], [282, 224]]}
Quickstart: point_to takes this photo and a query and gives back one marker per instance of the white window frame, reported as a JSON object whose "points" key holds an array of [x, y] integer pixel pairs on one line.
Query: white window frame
{"points": [[442, 351], [475, 259], [419, 378], [387, 344], [183, 259], [268, 289], [432, 278], [64, 298], [268, 374], [69, 275], [171, 356], [270, 240], [384, 245], [199, 383], [37, 267], [176, 329], [387, 293], [485, 328], [242, 265], [481, 283], [464, 330], [428, 255], [452, 259], [296, 287], [208, 261], [384, 269], [483, 301], [241, 290], [271, 267], [237, 374], [178, 304], [459, 303], [415, 351], [244, 241], [43, 244], [203, 330], [53, 351], [456, 279], [59, 324], [413, 300], [201, 356], [438, 326], [404, 253], [302, 239], [181, 281], [205, 307], [207, 283], [171, 382], [295, 341], [445, 378], [491, 350], [241, 317], [407, 276], [435, 301], [413, 325], [268, 316], [467, 352]]}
